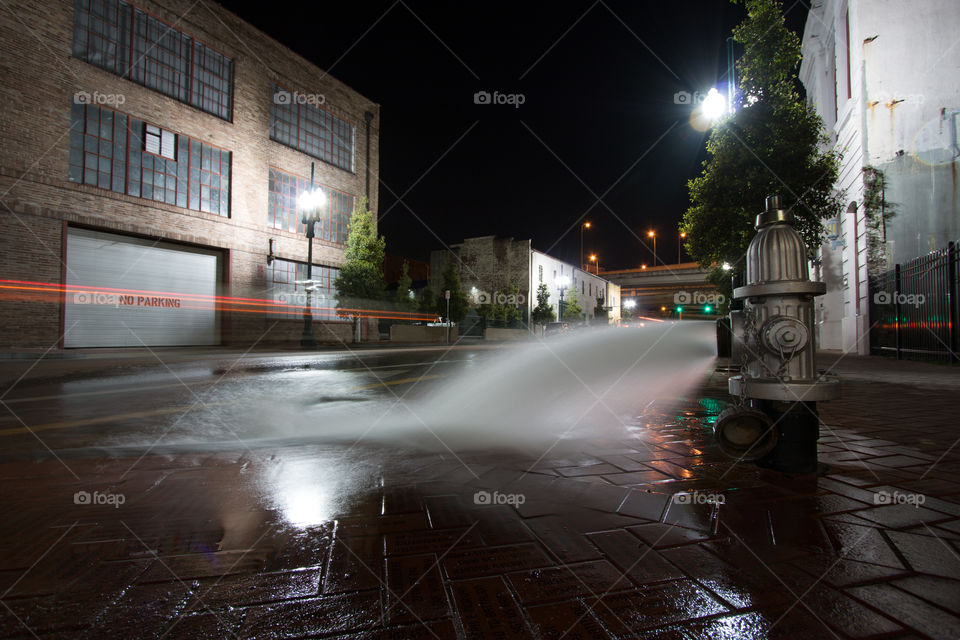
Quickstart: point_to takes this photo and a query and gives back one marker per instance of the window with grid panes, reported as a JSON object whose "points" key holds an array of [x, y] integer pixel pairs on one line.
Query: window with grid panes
{"points": [[290, 297], [123, 39], [111, 150], [282, 212], [98, 139], [311, 129]]}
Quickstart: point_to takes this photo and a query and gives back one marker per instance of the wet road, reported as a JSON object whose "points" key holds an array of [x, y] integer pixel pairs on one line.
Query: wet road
{"points": [[168, 500], [157, 403]]}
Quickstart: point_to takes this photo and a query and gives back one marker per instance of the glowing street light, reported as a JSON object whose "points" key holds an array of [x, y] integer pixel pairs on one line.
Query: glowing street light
{"points": [[596, 263], [311, 203], [651, 234], [714, 106], [585, 225], [680, 244]]}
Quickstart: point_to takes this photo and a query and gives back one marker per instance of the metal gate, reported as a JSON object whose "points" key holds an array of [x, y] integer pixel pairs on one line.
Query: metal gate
{"points": [[914, 309]]}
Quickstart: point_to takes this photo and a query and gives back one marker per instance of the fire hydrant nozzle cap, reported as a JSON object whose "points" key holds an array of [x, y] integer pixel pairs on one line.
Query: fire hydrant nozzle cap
{"points": [[773, 214]]}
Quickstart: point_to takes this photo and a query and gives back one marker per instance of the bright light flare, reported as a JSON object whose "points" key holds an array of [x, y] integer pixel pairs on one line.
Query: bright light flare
{"points": [[310, 201], [714, 105]]}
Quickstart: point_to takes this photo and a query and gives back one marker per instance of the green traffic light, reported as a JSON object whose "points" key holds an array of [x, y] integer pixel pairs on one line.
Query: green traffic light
{"points": [[707, 309], [679, 309]]}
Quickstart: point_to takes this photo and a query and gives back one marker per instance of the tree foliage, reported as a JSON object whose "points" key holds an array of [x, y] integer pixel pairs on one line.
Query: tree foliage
{"points": [[772, 144], [571, 306], [427, 300], [600, 314], [876, 212], [360, 282], [459, 304], [507, 312], [543, 312], [402, 298]]}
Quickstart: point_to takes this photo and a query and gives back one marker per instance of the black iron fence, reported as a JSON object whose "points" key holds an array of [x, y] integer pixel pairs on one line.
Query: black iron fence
{"points": [[914, 308]]}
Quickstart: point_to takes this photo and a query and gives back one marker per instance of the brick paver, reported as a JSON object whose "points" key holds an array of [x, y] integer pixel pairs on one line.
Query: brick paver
{"points": [[213, 545]]}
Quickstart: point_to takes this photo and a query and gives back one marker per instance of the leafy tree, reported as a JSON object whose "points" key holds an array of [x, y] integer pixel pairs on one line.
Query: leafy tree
{"points": [[427, 300], [459, 304], [360, 282], [507, 313], [772, 144], [402, 298], [543, 312], [571, 307], [877, 212], [599, 313]]}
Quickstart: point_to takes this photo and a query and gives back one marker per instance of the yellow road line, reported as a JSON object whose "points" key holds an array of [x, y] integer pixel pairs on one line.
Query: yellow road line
{"points": [[390, 383], [116, 417], [102, 392]]}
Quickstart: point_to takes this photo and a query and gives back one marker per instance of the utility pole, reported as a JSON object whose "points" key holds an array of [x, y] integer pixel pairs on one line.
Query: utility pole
{"points": [[446, 294]]}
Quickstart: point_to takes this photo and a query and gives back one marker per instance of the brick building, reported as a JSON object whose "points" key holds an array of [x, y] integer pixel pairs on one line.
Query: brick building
{"points": [[152, 154]]}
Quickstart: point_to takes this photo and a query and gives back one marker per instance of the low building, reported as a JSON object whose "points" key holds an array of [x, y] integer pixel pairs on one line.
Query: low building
{"points": [[492, 268], [151, 159]]}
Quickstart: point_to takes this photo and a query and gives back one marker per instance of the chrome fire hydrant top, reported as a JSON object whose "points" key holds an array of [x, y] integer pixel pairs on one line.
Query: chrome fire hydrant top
{"points": [[774, 336]]}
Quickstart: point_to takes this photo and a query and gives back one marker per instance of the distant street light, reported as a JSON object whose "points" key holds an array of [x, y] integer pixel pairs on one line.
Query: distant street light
{"points": [[679, 245], [651, 234], [726, 266], [585, 225], [562, 283], [596, 263], [311, 203]]}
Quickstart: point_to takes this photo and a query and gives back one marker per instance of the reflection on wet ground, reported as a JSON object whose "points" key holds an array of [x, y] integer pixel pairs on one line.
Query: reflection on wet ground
{"points": [[654, 535]]}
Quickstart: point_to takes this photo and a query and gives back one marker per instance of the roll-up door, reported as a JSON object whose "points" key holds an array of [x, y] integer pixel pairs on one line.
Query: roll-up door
{"points": [[130, 292]]}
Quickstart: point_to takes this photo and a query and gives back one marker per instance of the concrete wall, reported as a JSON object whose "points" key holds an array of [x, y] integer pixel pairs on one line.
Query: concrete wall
{"points": [[40, 80], [487, 264], [421, 333], [494, 333]]}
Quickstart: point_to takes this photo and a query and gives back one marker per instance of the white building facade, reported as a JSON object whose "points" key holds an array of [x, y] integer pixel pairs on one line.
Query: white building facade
{"points": [[885, 77], [490, 266], [587, 287]]}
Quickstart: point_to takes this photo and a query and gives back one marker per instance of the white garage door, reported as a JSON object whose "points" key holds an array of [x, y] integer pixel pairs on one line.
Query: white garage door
{"points": [[130, 292]]}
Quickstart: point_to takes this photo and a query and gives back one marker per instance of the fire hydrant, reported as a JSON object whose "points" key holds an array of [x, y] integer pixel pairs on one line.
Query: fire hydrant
{"points": [[774, 421]]}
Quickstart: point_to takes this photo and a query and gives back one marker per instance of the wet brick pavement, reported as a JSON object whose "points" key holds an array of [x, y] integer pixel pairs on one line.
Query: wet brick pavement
{"points": [[657, 536]]}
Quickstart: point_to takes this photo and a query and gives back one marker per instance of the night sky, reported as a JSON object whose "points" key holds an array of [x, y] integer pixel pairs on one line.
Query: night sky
{"points": [[598, 121]]}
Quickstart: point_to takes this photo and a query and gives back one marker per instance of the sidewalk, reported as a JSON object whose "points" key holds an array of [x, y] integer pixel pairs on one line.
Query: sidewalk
{"points": [[655, 536]]}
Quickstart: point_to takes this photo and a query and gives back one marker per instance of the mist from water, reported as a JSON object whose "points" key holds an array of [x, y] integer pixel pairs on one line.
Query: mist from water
{"points": [[586, 386]]}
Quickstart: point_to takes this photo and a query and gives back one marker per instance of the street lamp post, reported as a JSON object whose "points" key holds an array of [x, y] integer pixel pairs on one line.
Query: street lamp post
{"points": [[651, 234], [311, 203], [680, 244], [562, 283], [630, 305], [585, 225], [596, 263]]}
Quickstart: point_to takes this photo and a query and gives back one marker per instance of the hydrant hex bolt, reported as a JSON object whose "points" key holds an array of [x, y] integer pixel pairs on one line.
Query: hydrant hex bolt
{"points": [[775, 342]]}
